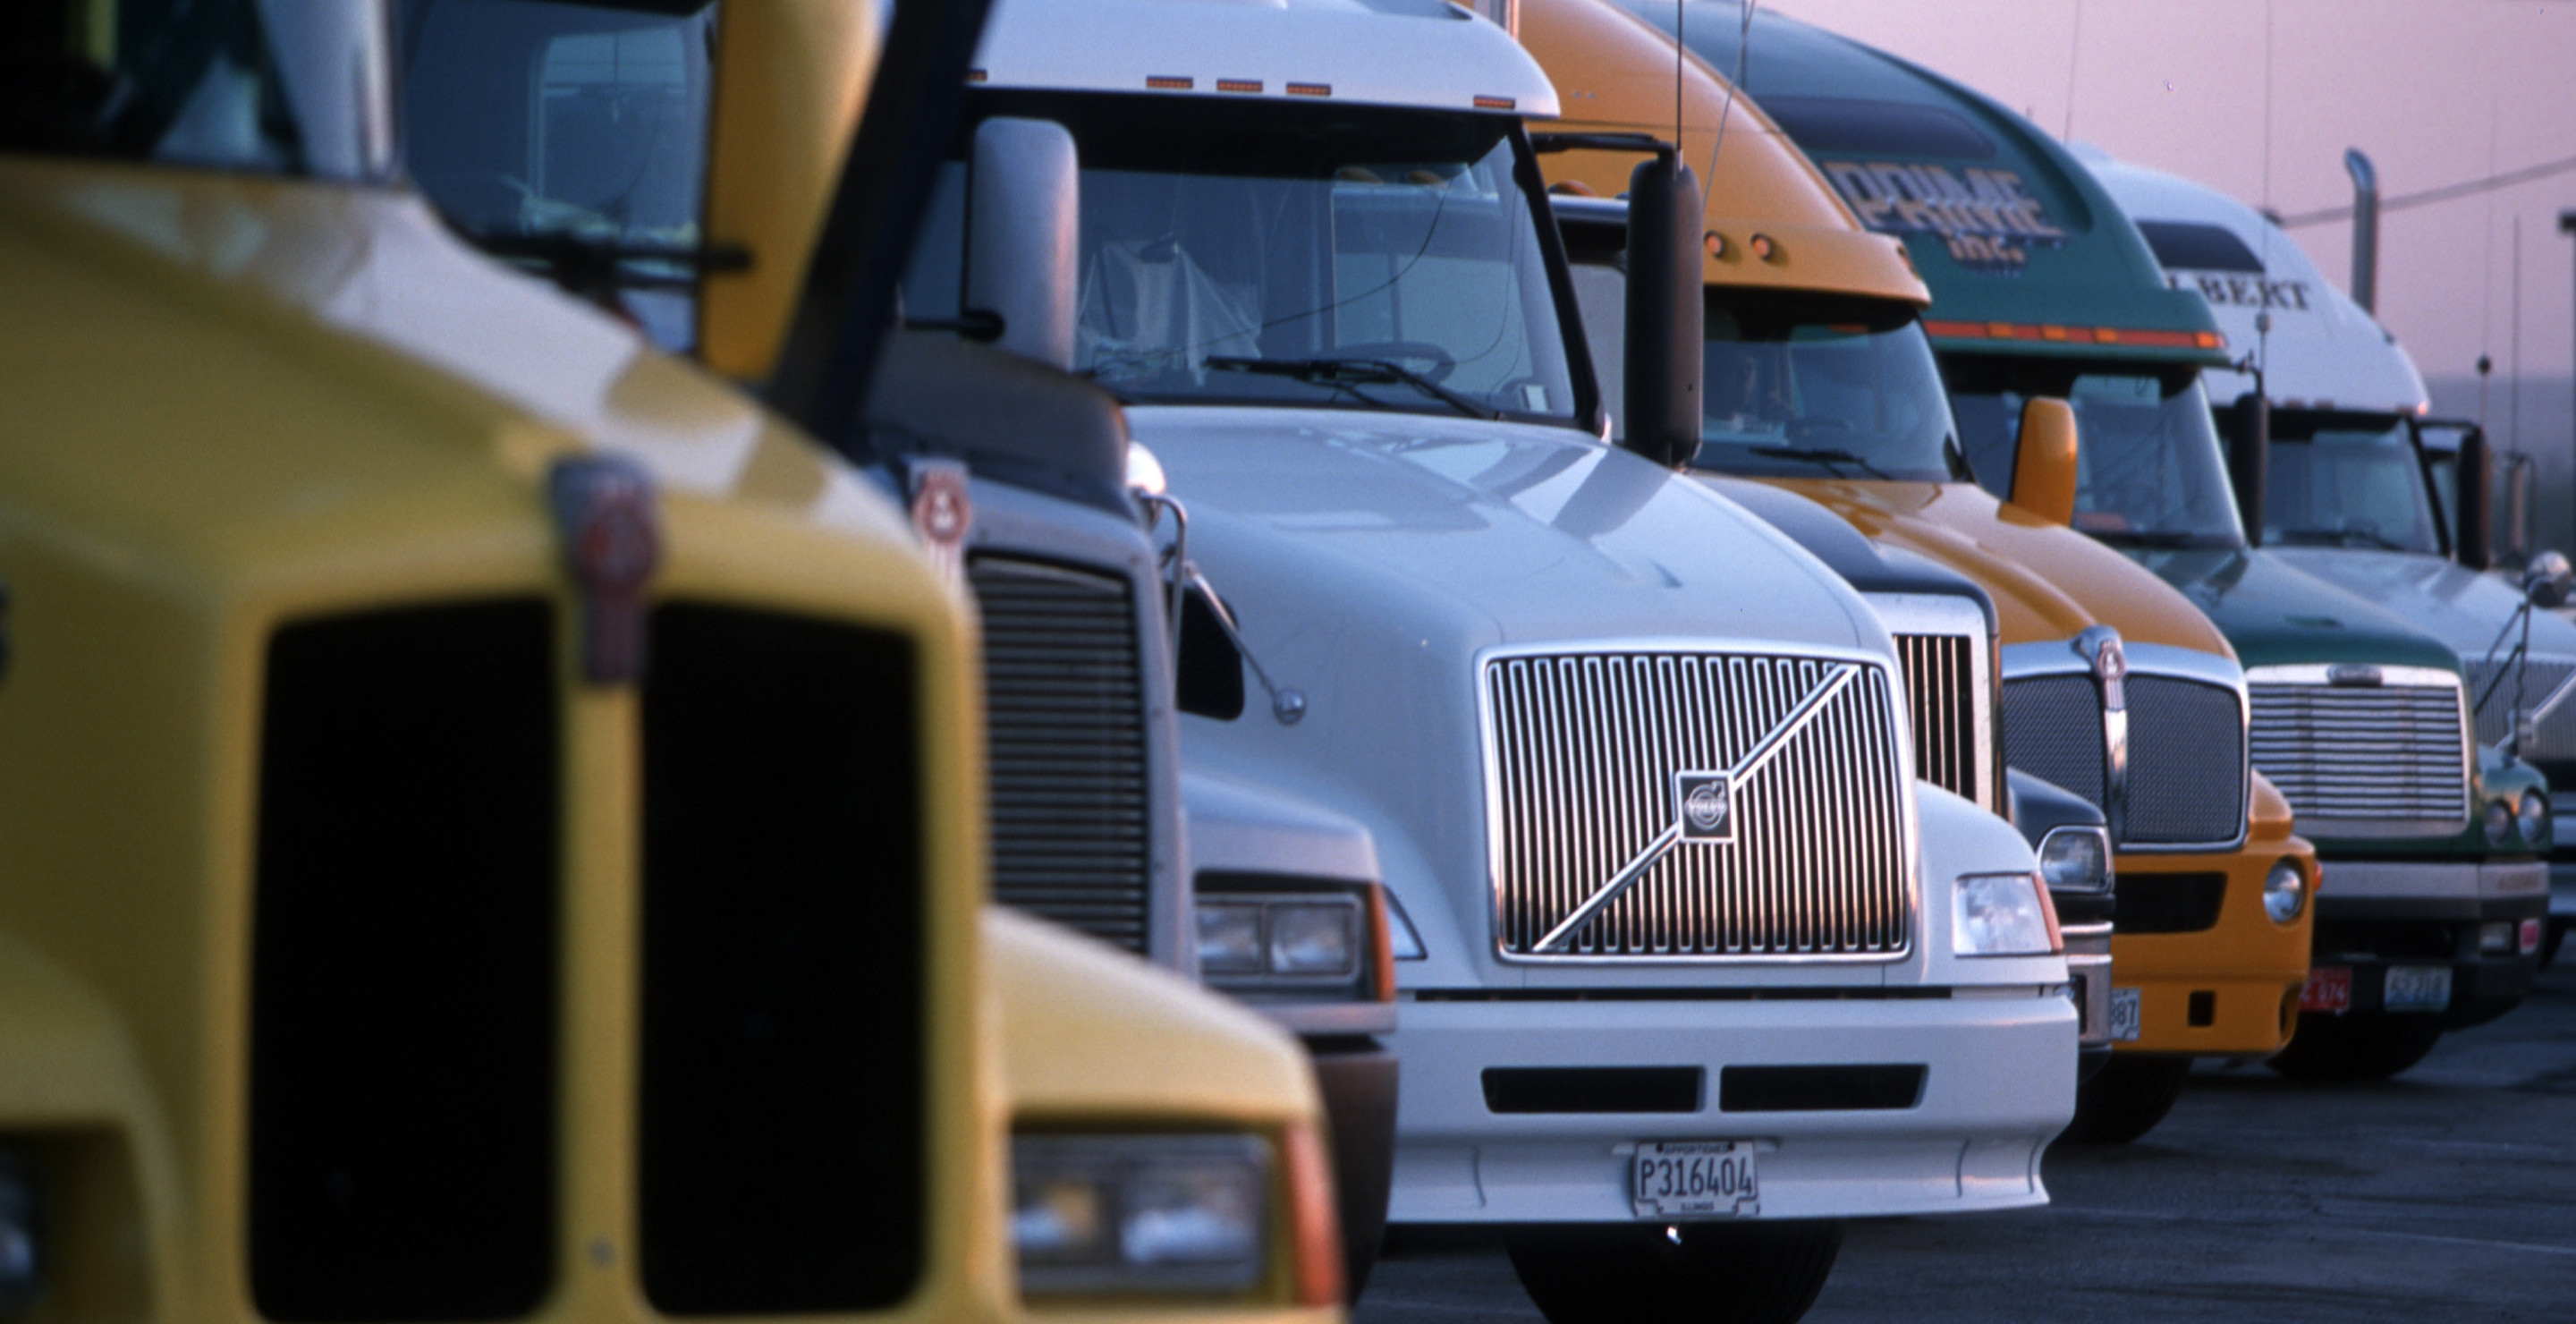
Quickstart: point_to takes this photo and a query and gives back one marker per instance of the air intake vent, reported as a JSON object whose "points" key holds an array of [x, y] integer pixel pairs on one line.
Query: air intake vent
{"points": [[1948, 708], [2168, 902], [404, 969], [1064, 691], [2364, 753], [1802, 853], [779, 1099]]}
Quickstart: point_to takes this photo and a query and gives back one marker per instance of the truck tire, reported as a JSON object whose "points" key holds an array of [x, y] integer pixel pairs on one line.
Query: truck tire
{"points": [[2356, 1046], [1717, 1273], [2126, 1099]]}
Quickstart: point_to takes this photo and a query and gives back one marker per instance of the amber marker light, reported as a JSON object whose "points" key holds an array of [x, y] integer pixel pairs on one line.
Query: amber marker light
{"points": [[1310, 89], [1313, 1226], [1764, 249], [1169, 83], [1238, 85], [1495, 103]]}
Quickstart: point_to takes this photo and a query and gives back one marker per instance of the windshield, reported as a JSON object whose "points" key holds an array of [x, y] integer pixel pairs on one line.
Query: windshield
{"points": [[1283, 254], [572, 136], [274, 87], [1803, 390], [2346, 480], [2149, 471]]}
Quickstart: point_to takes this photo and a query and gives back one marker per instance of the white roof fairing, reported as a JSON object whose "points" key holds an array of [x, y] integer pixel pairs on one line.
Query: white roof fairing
{"points": [[1427, 54]]}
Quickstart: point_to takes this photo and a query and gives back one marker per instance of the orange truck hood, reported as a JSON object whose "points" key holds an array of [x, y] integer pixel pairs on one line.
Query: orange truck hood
{"points": [[2048, 581]]}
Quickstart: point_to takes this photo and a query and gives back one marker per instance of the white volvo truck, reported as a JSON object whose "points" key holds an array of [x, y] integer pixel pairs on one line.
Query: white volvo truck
{"points": [[1692, 967]]}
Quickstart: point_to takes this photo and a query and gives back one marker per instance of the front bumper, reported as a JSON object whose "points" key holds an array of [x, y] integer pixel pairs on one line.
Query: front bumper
{"points": [[1999, 1082], [2229, 989], [2376, 914]]}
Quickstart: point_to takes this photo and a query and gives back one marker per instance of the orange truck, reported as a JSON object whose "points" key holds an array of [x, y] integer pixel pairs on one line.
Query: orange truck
{"points": [[1820, 382]]}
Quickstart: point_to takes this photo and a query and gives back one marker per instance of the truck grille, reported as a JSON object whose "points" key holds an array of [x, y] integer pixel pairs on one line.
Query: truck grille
{"points": [[2186, 769], [1948, 708], [2554, 733], [405, 938], [1584, 753], [2363, 752], [1064, 693], [779, 1108]]}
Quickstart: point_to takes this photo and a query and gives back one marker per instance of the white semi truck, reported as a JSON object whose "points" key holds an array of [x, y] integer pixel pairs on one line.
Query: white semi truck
{"points": [[1691, 966]]}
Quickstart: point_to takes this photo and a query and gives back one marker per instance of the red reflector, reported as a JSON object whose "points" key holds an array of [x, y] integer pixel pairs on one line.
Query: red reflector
{"points": [[1238, 85], [2530, 936], [1166, 83]]}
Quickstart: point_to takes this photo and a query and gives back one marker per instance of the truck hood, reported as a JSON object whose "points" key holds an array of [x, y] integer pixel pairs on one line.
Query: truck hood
{"points": [[2277, 614], [2461, 607], [2048, 581]]}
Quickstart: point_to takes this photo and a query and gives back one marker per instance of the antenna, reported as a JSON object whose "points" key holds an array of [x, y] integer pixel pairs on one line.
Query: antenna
{"points": [[1726, 109], [2074, 47]]}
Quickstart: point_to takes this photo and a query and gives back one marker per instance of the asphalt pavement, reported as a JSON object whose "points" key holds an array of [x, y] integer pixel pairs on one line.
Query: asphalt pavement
{"points": [[2448, 1193]]}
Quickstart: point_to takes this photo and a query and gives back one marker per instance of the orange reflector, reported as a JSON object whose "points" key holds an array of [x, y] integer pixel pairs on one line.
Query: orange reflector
{"points": [[1495, 103], [2081, 335], [1310, 89], [1166, 83], [1238, 85], [1315, 1229]]}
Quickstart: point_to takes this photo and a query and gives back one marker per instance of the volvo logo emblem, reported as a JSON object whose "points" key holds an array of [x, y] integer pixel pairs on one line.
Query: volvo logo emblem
{"points": [[1707, 809]]}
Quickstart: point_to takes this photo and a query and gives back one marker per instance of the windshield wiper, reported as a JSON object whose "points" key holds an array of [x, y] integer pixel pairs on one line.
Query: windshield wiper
{"points": [[2163, 538], [2343, 538], [1353, 372], [1821, 456], [596, 269]]}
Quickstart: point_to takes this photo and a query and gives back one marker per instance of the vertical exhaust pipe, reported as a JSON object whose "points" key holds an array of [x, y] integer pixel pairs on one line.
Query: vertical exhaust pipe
{"points": [[2365, 229]]}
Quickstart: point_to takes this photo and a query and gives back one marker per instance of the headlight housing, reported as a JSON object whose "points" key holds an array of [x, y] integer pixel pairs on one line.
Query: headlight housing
{"points": [[2285, 892], [2076, 859], [1140, 1214], [2498, 822], [2533, 818], [2001, 914], [1283, 941]]}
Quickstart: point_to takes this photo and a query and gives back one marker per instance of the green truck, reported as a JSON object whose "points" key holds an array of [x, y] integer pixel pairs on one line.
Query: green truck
{"points": [[2043, 288]]}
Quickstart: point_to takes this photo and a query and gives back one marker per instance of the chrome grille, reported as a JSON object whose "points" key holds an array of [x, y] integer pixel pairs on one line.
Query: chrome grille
{"points": [[2553, 731], [1942, 694], [2363, 752], [1584, 751], [2186, 763], [2053, 731], [1064, 696]]}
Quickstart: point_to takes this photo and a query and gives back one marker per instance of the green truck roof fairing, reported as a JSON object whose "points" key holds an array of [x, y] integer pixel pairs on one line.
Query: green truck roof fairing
{"points": [[2024, 252]]}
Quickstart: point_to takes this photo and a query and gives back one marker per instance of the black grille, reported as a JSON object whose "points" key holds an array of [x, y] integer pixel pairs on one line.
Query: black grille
{"points": [[2053, 731], [2167, 902], [404, 968], [2186, 762], [1593, 1089], [1064, 690], [779, 1097], [1940, 689], [1882, 1087]]}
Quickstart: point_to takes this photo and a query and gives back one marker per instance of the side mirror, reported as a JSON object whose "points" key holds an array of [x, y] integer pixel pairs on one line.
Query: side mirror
{"points": [[2044, 466], [2249, 461], [1666, 320], [2517, 506], [2548, 579], [1023, 224], [788, 84], [2473, 531]]}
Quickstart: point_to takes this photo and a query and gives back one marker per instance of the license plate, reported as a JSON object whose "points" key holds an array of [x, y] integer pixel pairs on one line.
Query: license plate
{"points": [[2329, 989], [1704, 1177], [2416, 988], [2125, 1014]]}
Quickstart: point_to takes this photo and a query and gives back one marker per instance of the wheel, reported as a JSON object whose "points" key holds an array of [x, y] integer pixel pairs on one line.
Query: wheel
{"points": [[1715, 1273], [2126, 1099], [1405, 352], [2360, 1045]]}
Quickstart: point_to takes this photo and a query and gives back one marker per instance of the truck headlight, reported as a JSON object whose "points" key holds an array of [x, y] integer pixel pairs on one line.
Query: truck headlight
{"points": [[2285, 892], [2076, 859], [2533, 818], [1286, 939], [21, 1266], [2001, 914], [2498, 822], [1162, 1214]]}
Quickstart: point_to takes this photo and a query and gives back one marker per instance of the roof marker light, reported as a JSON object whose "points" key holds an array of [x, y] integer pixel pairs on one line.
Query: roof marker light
{"points": [[1238, 85], [1169, 83], [977, 76], [2081, 335], [1764, 249], [1495, 103], [1310, 89]]}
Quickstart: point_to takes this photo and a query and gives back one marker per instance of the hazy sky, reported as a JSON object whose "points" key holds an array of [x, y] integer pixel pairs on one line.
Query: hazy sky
{"points": [[2437, 92]]}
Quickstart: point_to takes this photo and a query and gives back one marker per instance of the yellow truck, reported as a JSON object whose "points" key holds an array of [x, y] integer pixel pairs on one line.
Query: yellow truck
{"points": [[494, 815], [1820, 381]]}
